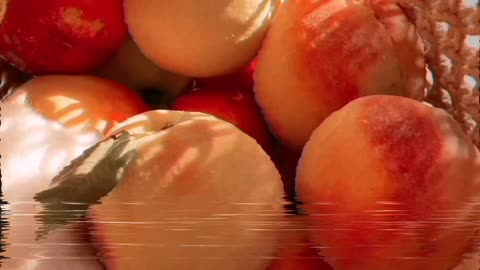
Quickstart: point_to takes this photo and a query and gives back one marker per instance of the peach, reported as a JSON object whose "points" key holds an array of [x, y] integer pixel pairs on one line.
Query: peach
{"points": [[320, 55], [80, 101], [61, 36], [131, 68], [193, 192], [388, 182], [199, 38]]}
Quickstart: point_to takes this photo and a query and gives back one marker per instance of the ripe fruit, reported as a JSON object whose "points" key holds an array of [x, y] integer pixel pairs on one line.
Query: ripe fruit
{"points": [[392, 178], [197, 194], [231, 103], [318, 56], [80, 101], [60, 36], [47, 122], [199, 38]]}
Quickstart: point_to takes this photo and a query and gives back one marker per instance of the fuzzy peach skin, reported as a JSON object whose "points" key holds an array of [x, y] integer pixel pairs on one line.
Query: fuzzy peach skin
{"points": [[390, 183], [199, 38], [195, 193], [61, 36], [319, 55], [80, 101]]}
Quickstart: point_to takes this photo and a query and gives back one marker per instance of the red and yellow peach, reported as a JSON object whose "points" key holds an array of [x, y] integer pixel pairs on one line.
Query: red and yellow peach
{"points": [[320, 55], [390, 183]]}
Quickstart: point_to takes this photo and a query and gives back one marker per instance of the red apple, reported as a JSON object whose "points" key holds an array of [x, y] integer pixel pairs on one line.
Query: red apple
{"points": [[231, 103], [61, 36]]}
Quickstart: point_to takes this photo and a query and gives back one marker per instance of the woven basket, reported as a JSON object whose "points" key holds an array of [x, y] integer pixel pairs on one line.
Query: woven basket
{"points": [[450, 30]]}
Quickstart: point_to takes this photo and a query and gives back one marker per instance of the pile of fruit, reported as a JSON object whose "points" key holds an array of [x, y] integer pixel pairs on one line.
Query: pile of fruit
{"points": [[229, 134]]}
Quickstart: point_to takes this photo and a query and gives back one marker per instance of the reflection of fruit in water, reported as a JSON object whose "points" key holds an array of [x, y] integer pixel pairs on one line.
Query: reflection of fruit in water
{"points": [[296, 251], [60, 36], [64, 248], [79, 101], [199, 38], [318, 56], [198, 194], [404, 186]]}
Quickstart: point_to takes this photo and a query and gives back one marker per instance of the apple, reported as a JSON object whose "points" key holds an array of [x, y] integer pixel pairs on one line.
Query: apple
{"points": [[61, 36]]}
